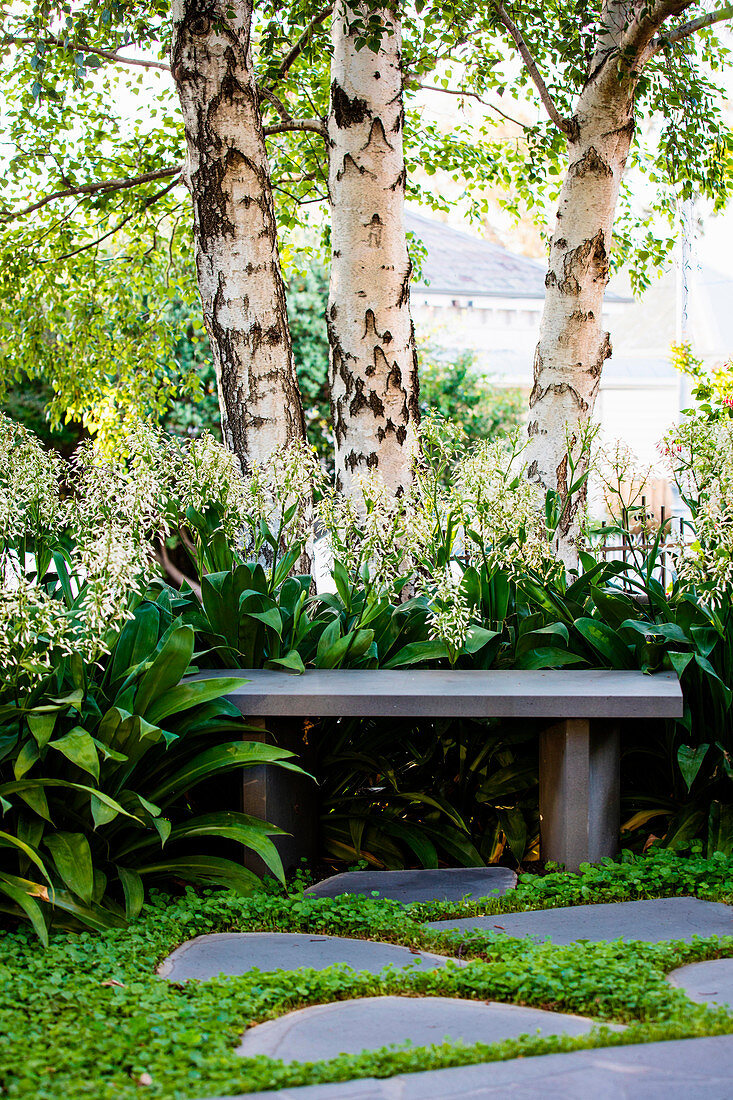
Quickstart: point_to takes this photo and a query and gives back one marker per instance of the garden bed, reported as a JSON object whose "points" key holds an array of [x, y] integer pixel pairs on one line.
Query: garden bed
{"points": [[88, 1016]]}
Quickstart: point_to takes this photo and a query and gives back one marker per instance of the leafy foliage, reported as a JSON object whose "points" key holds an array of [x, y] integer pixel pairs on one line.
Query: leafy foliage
{"points": [[89, 1017], [95, 778]]}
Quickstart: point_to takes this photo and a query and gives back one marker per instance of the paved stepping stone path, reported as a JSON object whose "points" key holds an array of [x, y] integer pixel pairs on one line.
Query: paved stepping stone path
{"points": [[707, 982], [445, 884], [233, 953], [348, 1027], [654, 921], [682, 1069]]}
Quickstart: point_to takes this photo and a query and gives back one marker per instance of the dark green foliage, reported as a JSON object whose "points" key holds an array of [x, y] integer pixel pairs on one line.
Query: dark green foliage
{"points": [[97, 768], [452, 387], [27, 402], [87, 1017]]}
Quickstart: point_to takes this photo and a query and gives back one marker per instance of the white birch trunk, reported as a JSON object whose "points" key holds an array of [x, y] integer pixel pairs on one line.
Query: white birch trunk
{"points": [[235, 232], [374, 385], [573, 346]]}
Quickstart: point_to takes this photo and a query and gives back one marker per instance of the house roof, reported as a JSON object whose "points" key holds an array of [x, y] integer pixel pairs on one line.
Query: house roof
{"points": [[464, 265]]}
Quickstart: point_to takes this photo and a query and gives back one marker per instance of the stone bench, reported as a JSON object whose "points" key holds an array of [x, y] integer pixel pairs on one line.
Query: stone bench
{"points": [[579, 744]]}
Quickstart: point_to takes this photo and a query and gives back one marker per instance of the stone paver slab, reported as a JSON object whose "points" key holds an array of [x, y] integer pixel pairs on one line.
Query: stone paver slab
{"points": [[348, 1027], [706, 982], [654, 921], [234, 953], [444, 884], [684, 1069]]}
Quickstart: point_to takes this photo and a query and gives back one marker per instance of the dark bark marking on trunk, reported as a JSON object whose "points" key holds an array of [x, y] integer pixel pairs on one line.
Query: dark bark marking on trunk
{"points": [[591, 253], [349, 166], [377, 136], [590, 164], [346, 111]]}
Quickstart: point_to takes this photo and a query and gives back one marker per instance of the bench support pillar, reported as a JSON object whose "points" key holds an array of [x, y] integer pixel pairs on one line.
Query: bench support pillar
{"points": [[579, 791], [281, 797]]}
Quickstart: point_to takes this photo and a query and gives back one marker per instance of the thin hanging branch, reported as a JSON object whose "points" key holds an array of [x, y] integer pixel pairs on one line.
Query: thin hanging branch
{"points": [[548, 102], [473, 95], [115, 228], [92, 189], [82, 47]]}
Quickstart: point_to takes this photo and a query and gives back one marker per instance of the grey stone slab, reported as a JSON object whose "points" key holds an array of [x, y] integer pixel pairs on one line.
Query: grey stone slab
{"points": [[234, 953], [565, 693], [684, 1069], [321, 1032], [444, 884], [706, 982], [654, 921]]}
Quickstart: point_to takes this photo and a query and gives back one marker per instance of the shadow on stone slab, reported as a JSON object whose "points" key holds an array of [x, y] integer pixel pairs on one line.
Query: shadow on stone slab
{"points": [[655, 921], [369, 1023], [444, 884], [706, 982], [683, 1069], [234, 953]]}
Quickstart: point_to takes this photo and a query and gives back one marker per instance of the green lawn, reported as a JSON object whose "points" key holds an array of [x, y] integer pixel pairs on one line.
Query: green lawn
{"points": [[87, 1017]]}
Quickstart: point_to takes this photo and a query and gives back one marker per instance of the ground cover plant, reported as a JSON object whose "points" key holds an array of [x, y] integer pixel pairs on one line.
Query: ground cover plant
{"points": [[88, 1017]]}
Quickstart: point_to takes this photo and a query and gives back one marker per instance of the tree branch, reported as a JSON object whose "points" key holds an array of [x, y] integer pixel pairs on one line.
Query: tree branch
{"points": [[115, 228], [677, 34], [80, 47], [474, 95], [278, 104], [563, 124], [292, 56], [92, 189], [314, 125]]}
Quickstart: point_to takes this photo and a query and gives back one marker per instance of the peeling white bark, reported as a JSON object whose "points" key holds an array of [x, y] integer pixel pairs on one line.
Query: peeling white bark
{"points": [[573, 346], [235, 233], [374, 386]]}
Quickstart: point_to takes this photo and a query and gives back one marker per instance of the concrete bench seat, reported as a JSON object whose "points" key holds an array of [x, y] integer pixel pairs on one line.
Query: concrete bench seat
{"points": [[579, 747]]}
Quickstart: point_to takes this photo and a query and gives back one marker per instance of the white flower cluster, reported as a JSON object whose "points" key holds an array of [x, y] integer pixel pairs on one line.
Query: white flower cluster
{"points": [[281, 490], [29, 484], [33, 627], [494, 499], [450, 616], [700, 454]]}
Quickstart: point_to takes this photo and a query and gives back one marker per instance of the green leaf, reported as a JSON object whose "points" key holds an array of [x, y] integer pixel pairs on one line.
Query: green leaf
{"points": [[209, 870], [478, 637], [101, 813], [605, 642], [220, 758], [41, 726], [416, 653], [291, 661], [73, 859], [191, 694], [24, 894], [690, 761], [271, 618], [167, 670], [78, 747], [248, 831], [549, 657], [134, 891], [25, 759], [9, 841]]}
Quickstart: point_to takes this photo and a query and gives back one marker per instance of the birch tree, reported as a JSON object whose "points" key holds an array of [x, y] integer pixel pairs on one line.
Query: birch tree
{"points": [[235, 232], [573, 346], [374, 385]]}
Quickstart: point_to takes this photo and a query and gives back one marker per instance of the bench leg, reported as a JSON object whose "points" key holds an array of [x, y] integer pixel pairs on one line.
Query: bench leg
{"points": [[281, 797], [579, 791]]}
